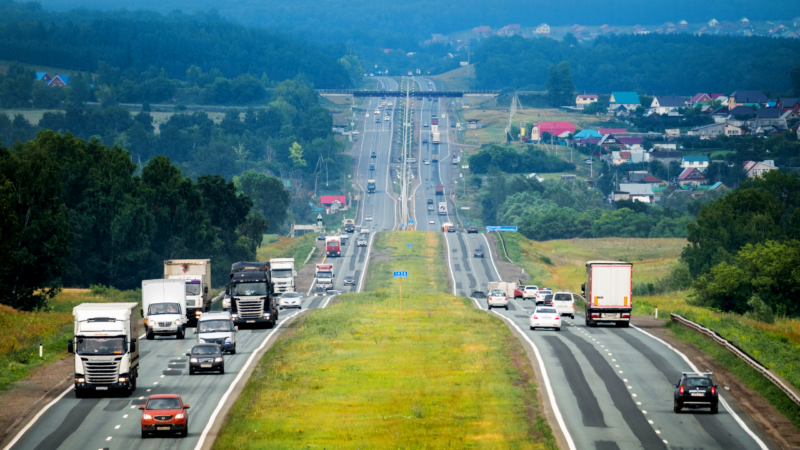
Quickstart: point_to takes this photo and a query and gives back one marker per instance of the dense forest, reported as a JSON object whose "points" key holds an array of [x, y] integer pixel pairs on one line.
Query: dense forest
{"points": [[652, 64], [79, 213], [79, 40], [423, 18]]}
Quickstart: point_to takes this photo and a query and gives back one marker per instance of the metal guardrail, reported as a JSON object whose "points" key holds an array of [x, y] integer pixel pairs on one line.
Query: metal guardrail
{"points": [[503, 241], [752, 362], [364, 93]]}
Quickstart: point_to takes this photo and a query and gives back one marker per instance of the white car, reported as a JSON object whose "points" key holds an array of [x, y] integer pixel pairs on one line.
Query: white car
{"points": [[541, 293], [564, 303], [361, 242], [545, 317], [427, 163], [530, 292], [368, 218], [431, 222], [291, 300], [386, 118], [498, 298]]}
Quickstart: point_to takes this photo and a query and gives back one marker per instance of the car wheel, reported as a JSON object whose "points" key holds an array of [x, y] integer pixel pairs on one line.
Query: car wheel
{"points": [[572, 316], [144, 434], [489, 307], [150, 335], [185, 431], [222, 370], [558, 329], [715, 409], [191, 371], [506, 307], [676, 407]]}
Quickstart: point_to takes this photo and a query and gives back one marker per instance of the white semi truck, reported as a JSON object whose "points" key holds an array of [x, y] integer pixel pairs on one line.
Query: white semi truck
{"points": [[164, 308], [608, 292], [324, 276], [283, 273], [197, 273], [105, 348]]}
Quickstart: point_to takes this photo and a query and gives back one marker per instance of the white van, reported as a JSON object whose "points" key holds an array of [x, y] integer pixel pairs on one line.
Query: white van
{"points": [[564, 302], [164, 307], [217, 328]]}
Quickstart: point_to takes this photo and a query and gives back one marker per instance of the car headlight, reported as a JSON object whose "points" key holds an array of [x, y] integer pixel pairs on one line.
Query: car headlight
{"points": [[179, 416], [80, 380], [227, 339], [147, 416], [177, 322], [193, 360], [217, 359]]}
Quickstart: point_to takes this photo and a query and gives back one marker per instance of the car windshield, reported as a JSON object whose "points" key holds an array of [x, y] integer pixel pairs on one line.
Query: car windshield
{"points": [[249, 289], [348, 278], [282, 273], [548, 298], [292, 295], [563, 297], [697, 382], [101, 346], [193, 289], [163, 403], [214, 326], [164, 308], [497, 292], [531, 287], [205, 350], [546, 310]]}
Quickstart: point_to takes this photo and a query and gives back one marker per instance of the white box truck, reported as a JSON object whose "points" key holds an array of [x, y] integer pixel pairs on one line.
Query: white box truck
{"points": [[197, 273], [164, 308], [283, 273], [608, 292], [324, 276], [442, 208], [105, 348]]}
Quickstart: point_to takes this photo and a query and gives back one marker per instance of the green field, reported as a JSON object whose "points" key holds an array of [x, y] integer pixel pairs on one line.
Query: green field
{"points": [[372, 371], [274, 246]]}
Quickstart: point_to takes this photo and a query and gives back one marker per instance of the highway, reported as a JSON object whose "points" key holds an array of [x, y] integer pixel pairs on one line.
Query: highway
{"points": [[612, 386], [69, 423]]}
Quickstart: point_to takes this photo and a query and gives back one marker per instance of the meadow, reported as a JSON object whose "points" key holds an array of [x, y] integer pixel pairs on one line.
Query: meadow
{"points": [[274, 246], [376, 371]]}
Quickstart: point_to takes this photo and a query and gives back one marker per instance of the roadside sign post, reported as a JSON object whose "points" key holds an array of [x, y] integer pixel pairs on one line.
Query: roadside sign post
{"points": [[401, 274]]}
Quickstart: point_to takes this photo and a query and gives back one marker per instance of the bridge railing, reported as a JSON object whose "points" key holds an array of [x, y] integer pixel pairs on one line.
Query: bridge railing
{"points": [[364, 93]]}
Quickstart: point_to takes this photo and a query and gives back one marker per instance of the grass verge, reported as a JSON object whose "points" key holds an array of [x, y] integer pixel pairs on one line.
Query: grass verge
{"points": [[298, 248], [372, 372], [21, 332]]}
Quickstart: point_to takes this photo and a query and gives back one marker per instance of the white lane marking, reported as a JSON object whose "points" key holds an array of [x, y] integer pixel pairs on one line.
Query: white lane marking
{"points": [[125, 416], [239, 375], [547, 385], [491, 258], [133, 406], [450, 264], [36, 417], [117, 427], [149, 390], [155, 383], [141, 398], [108, 438], [327, 301], [730, 410], [162, 376], [366, 262]]}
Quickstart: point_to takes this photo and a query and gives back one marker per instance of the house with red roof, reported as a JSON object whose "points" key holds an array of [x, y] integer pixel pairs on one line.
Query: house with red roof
{"points": [[332, 203], [699, 99], [552, 128], [692, 177], [653, 180], [59, 81], [755, 169]]}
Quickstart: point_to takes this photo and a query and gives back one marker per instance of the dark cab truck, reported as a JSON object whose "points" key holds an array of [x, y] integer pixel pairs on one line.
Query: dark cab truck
{"points": [[439, 189], [252, 294], [371, 186]]}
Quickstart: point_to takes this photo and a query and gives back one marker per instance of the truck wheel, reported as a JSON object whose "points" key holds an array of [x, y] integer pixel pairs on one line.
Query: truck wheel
{"points": [[150, 335], [180, 334], [79, 394], [233, 352]]}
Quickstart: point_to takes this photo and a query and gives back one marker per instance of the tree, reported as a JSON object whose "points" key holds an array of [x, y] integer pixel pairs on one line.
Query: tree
{"points": [[296, 155], [35, 235], [795, 74], [559, 84], [594, 108], [605, 182], [269, 196]]}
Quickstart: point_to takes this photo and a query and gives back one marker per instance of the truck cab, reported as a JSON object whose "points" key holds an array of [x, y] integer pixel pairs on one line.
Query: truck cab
{"points": [[333, 246], [197, 273], [324, 276], [252, 299], [371, 186], [106, 354], [349, 225], [283, 273], [217, 328], [164, 308]]}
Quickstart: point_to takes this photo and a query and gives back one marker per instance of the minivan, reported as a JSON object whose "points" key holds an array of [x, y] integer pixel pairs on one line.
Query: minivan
{"points": [[217, 328]]}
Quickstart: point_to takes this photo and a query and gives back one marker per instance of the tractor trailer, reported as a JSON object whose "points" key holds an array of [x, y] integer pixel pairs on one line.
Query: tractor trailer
{"points": [[608, 292], [197, 273], [283, 273], [252, 294]]}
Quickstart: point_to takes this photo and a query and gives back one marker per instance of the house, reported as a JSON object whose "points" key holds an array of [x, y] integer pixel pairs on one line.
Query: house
{"points": [[482, 31], [578, 28], [665, 146], [744, 21], [618, 158], [713, 130], [653, 180], [787, 104], [743, 111], [43, 76], [699, 99], [672, 133], [637, 192], [472, 124], [755, 99], [585, 99], [587, 134], [663, 104], [796, 22], [59, 81], [440, 39], [630, 100], [665, 157], [718, 186], [790, 115], [339, 127], [755, 169], [691, 177], [333, 203], [636, 176], [605, 131], [543, 28], [640, 30], [552, 128], [697, 162], [769, 113], [683, 24], [509, 30], [713, 23]]}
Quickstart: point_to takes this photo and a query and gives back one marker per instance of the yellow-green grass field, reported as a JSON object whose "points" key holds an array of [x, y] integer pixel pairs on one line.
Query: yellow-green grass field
{"points": [[370, 371], [21, 332], [33, 116], [274, 246], [457, 79]]}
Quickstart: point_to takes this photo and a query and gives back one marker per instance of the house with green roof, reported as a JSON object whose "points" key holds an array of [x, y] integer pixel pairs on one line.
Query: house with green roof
{"points": [[630, 100]]}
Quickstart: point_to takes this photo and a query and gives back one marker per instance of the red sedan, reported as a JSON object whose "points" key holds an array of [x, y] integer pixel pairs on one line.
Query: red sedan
{"points": [[164, 413]]}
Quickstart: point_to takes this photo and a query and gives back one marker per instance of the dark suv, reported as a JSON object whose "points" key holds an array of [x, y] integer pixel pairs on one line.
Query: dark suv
{"points": [[696, 390], [206, 358]]}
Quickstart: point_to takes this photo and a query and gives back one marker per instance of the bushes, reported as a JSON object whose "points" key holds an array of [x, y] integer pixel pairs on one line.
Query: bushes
{"points": [[510, 160]]}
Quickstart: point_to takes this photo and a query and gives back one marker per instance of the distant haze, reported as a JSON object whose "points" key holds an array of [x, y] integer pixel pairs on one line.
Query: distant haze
{"points": [[422, 18]]}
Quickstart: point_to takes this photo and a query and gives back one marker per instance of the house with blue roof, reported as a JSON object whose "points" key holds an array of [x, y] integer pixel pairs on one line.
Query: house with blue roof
{"points": [[588, 134], [630, 100], [695, 162], [43, 76]]}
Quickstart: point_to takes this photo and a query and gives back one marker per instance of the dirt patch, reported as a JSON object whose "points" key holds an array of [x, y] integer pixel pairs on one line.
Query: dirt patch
{"points": [[508, 271], [305, 276], [382, 255], [770, 421]]}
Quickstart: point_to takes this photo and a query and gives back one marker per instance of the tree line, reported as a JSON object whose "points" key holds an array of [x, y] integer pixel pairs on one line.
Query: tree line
{"points": [[666, 65], [79, 213]]}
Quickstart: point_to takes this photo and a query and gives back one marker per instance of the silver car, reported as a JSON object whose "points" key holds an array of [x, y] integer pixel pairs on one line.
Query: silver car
{"points": [[361, 242], [291, 300]]}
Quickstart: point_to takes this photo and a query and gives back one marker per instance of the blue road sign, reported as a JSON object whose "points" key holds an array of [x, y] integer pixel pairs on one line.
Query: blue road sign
{"points": [[401, 274], [410, 245], [501, 228], [466, 223], [411, 221]]}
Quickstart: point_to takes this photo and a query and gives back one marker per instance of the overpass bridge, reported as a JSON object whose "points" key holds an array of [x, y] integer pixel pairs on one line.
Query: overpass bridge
{"points": [[384, 93]]}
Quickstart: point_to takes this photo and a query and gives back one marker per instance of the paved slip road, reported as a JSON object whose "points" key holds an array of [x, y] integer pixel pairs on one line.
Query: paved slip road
{"points": [[113, 423], [612, 386]]}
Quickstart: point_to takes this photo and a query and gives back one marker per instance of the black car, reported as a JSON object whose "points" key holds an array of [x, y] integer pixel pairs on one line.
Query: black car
{"points": [[547, 300], [451, 229], [430, 201], [472, 230], [372, 167], [696, 390], [374, 155], [349, 281], [478, 253], [206, 358]]}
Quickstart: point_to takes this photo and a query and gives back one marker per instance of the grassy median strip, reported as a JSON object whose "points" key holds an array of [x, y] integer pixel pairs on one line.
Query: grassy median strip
{"points": [[370, 372]]}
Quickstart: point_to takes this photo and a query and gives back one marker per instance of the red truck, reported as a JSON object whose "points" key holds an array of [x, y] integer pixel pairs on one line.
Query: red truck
{"points": [[435, 121], [333, 246], [439, 189]]}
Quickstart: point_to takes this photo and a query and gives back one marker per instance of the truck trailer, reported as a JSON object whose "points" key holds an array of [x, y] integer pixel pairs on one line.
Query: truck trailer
{"points": [[164, 308], [436, 138], [106, 354], [197, 273], [252, 294], [283, 274], [608, 292], [439, 189], [442, 208]]}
